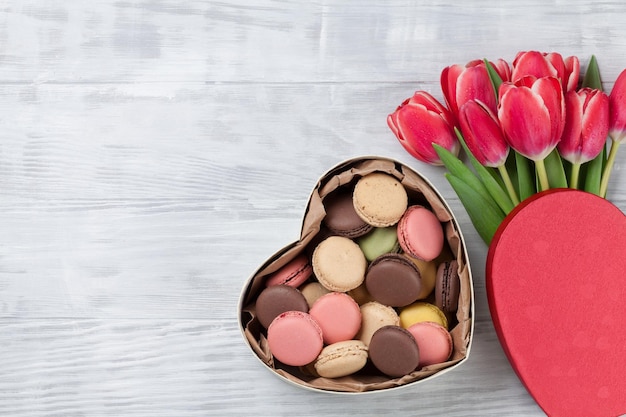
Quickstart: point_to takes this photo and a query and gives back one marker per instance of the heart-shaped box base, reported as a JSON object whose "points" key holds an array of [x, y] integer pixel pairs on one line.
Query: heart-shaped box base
{"points": [[419, 191], [556, 285]]}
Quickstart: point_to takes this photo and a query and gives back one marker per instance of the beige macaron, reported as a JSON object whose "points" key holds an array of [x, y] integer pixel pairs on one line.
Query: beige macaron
{"points": [[375, 315], [312, 291], [339, 264], [380, 199], [341, 359]]}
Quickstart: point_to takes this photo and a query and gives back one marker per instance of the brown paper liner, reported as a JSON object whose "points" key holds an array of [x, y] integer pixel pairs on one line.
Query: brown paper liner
{"points": [[420, 191]]}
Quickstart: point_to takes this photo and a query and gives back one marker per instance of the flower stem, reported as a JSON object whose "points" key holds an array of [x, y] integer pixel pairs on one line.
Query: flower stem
{"points": [[543, 175], [509, 184], [573, 182], [604, 184]]}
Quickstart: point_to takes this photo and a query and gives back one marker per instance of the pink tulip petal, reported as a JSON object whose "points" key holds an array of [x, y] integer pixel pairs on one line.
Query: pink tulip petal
{"points": [[474, 84], [572, 71], [482, 134], [525, 121], [617, 109], [570, 145], [532, 63], [550, 90]]}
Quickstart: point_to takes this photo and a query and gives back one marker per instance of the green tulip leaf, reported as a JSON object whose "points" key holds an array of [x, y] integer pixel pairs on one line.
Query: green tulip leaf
{"points": [[457, 168], [496, 81], [494, 189], [525, 176], [592, 171], [485, 216], [555, 170], [592, 75]]}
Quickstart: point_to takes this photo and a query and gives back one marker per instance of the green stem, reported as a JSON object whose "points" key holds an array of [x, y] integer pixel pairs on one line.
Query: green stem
{"points": [[573, 182], [604, 184], [509, 184], [543, 175]]}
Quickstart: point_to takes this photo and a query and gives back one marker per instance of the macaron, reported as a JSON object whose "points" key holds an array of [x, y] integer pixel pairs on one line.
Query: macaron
{"points": [[360, 294], [375, 315], [394, 351], [379, 199], [379, 241], [341, 359], [277, 299], [295, 338], [422, 311], [434, 342], [338, 315], [420, 233], [312, 291], [341, 217], [428, 273], [339, 264], [447, 286], [294, 273], [393, 280]]}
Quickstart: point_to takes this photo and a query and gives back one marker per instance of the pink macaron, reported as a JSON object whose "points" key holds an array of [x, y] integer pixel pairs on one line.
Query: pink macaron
{"points": [[294, 273], [338, 315], [434, 342], [295, 338], [420, 233]]}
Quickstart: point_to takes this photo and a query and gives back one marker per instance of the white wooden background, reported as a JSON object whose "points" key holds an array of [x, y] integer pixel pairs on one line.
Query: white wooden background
{"points": [[154, 153]]}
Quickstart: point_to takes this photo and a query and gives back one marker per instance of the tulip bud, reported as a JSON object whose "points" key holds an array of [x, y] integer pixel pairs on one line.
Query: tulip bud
{"points": [[532, 116], [586, 125], [483, 134], [617, 126], [539, 65], [471, 82], [421, 121], [617, 109], [531, 113]]}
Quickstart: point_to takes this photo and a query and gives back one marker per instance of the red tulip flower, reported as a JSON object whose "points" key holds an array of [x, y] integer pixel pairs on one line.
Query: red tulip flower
{"points": [[617, 108], [484, 139], [586, 128], [539, 65], [421, 121], [532, 116], [471, 82], [482, 133], [617, 126]]}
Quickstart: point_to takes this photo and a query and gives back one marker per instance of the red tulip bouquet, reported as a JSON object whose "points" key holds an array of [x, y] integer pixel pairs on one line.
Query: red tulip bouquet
{"points": [[526, 127]]}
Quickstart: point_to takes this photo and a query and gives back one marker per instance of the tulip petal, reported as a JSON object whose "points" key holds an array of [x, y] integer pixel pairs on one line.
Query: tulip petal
{"points": [[551, 93], [532, 63], [474, 84], [526, 122]]}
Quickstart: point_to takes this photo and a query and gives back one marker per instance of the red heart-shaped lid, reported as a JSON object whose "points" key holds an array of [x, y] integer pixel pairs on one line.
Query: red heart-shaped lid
{"points": [[556, 285]]}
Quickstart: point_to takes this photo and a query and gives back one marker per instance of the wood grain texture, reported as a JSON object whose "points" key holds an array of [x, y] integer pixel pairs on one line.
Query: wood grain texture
{"points": [[154, 153]]}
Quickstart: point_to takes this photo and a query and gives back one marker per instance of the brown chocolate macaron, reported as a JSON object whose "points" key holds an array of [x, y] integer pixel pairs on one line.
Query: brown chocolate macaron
{"points": [[276, 300], [393, 351], [447, 286], [393, 280], [341, 217]]}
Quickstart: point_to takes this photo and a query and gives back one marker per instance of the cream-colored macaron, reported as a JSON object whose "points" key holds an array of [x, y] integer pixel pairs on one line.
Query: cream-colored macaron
{"points": [[312, 291], [375, 315], [339, 264], [380, 199], [341, 359]]}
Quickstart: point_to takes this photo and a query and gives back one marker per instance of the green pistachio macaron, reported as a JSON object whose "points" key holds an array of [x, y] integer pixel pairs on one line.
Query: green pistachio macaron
{"points": [[379, 241]]}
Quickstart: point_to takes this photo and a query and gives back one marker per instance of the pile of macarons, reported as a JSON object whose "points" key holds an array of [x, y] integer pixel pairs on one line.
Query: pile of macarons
{"points": [[377, 286]]}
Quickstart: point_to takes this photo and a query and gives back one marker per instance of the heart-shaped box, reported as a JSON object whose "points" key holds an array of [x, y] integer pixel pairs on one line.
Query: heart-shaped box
{"points": [[420, 191], [556, 285]]}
